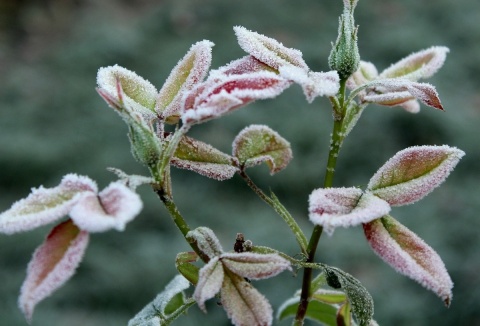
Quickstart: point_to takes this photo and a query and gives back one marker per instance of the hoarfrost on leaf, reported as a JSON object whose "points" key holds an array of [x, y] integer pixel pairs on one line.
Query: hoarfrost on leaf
{"points": [[210, 279], [255, 266], [413, 173], [409, 255], [206, 241]]}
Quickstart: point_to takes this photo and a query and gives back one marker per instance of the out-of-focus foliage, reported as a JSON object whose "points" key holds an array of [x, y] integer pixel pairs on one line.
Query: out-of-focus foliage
{"points": [[52, 122]]}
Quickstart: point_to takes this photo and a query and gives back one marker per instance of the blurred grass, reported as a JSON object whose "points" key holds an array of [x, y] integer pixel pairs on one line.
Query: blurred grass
{"points": [[52, 122]]}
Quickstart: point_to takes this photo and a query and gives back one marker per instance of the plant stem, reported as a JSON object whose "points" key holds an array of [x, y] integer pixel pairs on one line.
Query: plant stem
{"points": [[335, 145]]}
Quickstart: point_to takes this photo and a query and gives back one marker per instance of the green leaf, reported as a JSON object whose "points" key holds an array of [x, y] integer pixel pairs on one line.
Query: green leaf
{"points": [[318, 311], [329, 296], [257, 144], [184, 265], [344, 316]]}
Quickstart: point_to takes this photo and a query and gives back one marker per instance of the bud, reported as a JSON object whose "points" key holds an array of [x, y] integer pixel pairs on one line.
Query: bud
{"points": [[146, 147], [344, 57]]}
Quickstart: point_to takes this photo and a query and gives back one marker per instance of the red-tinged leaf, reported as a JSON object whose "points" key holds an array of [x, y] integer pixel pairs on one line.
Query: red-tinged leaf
{"points": [[257, 144], [255, 266], [268, 50], [409, 255], [52, 264], [244, 305], [334, 207], [206, 241], [210, 279], [247, 64], [112, 208], [413, 173], [188, 72], [137, 94], [344, 315], [46, 205], [422, 64], [197, 156], [219, 96], [365, 73]]}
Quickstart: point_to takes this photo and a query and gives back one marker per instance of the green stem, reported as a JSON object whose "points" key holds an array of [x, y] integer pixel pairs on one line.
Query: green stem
{"points": [[281, 210], [335, 145]]}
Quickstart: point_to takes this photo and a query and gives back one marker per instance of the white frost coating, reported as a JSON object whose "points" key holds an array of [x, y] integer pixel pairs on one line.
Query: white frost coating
{"points": [[268, 50], [149, 314], [215, 171], [365, 73], [210, 279], [113, 208], [413, 173], [42, 280], [255, 266], [206, 241], [334, 207], [409, 255], [314, 84], [46, 205], [188, 72], [422, 64], [247, 64]]}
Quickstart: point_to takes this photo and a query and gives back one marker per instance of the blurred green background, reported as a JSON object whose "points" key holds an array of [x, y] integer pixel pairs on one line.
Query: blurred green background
{"points": [[52, 122]]}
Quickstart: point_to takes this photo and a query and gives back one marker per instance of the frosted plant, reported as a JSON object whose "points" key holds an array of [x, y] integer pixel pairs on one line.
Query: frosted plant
{"points": [[194, 94]]}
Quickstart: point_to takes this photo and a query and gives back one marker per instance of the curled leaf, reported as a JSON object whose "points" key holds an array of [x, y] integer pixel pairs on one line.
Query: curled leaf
{"points": [[188, 72], [197, 156], [413, 173], [257, 144], [409, 255], [52, 264], [255, 266], [206, 241], [334, 207], [46, 205]]}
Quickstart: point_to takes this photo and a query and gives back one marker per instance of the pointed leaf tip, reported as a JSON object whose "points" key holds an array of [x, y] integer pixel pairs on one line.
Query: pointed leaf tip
{"points": [[413, 173], [409, 255]]}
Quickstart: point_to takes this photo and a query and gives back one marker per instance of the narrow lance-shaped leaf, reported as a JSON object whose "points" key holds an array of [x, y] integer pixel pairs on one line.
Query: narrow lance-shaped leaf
{"points": [[210, 281], [46, 205], [184, 265], [257, 143], [246, 64], [200, 157], [334, 207], [409, 255], [413, 173], [255, 266], [188, 72], [52, 264]]}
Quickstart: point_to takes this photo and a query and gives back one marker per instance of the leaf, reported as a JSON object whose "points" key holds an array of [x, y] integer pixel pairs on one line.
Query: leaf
{"points": [[113, 208], [358, 297], [409, 255], [329, 296], [210, 281], [255, 266], [344, 316], [184, 266], [223, 94], [365, 73], [166, 306], [422, 64], [52, 264], [257, 144], [413, 173], [268, 50], [46, 205], [334, 207], [188, 72], [318, 311], [206, 241], [246, 64], [197, 156], [244, 305]]}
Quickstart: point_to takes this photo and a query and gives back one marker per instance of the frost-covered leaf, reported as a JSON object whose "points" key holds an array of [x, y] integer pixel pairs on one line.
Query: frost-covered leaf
{"points": [[329, 296], [396, 91], [358, 297], [334, 207], [200, 157], [246, 64], [422, 64], [138, 94], [45, 205], [206, 241], [344, 315], [413, 173], [268, 50], [210, 281], [159, 312], [244, 305], [365, 73], [225, 93], [255, 266], [52, 264], [184, 265], [257, 143], [320, 312], [112, 208], [314, 84], [409, 255], [188, 72]]}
